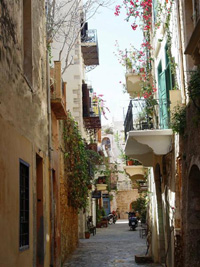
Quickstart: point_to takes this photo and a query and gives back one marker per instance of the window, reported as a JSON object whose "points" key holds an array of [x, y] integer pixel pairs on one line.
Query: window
{"points": [[24, 205], [168, 72]]}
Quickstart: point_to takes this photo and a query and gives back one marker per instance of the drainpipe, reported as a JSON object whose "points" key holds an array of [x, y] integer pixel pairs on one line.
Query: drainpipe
{"points": [[50, 163], [181, 52]]}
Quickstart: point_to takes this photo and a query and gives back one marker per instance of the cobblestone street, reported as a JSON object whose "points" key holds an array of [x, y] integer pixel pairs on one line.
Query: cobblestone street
{"points": [[112, 246]]}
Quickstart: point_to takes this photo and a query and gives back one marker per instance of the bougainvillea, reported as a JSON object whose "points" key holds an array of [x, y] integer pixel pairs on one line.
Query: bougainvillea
{"points": [[100, 104], [140, 15]]}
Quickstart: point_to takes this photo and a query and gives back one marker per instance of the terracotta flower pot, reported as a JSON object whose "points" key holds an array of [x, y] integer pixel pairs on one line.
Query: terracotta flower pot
{"points": [[87, 235], [130, 162]]}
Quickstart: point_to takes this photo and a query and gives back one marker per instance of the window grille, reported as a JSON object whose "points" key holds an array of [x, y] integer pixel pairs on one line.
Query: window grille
{"points": [[24, 205]]}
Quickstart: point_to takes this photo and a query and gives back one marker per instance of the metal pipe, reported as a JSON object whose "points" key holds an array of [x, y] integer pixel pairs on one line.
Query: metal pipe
{"points": [[50, 161]]}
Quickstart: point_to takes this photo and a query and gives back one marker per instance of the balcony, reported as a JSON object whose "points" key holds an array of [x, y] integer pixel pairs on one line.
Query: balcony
{"points": [[136, 173], [101, 187], [91, 114], [58, 92], [101, 184], [89, 46], [144, 138], [133, 84]]}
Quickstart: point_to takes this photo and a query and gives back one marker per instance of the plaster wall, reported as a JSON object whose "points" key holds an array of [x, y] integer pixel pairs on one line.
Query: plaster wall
{"points": [[14, 146], [153, 218]]}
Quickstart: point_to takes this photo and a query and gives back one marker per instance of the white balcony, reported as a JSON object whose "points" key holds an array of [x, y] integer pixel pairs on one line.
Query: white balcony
{"points": [[136, 173], [133, 84], [143, 145], [101, 187]]}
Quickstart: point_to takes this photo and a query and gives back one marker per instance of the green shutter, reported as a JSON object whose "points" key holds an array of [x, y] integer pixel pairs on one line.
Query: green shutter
{"points": [[163, 101]]}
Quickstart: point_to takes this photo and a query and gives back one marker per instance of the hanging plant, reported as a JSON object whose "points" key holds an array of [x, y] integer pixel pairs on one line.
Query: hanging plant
{"points": [[178, 120]]}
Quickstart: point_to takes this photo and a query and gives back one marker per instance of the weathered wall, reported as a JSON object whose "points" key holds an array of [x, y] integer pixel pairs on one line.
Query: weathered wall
{"points": [[68, 214], [56, 166], [23, 118], [124, 200], [69, 223], [23, 106], [190, 197]]}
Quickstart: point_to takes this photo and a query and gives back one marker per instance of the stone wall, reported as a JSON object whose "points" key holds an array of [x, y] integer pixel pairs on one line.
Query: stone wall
{"points": [[69, 224], [68, 215], [124, 200], [24, 130], [190, 193]]}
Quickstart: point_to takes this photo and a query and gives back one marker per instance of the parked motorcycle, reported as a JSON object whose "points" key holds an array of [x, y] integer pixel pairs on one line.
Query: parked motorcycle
{"points": [[112, 218], [132, 220]]}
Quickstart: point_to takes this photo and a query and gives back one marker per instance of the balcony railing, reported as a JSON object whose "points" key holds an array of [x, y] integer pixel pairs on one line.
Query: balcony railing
{"points": [[137, 119], [91, 114]]}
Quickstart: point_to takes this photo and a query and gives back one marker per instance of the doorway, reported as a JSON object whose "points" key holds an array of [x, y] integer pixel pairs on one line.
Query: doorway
{"points": [[193, 218], [40, 216], [161, 237]]}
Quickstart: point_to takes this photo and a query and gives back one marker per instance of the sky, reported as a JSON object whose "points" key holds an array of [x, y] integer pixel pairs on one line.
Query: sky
{"points": [[106, 77]]}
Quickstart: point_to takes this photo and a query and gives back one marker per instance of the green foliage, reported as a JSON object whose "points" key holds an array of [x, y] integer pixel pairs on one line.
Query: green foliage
{"points": [[111, 197], [194, 87], [121, 150], [49, 53], [103, 213], [178, 120], [108, 130], [194, 84], [140, 206], [79, 164], [98, 214]]}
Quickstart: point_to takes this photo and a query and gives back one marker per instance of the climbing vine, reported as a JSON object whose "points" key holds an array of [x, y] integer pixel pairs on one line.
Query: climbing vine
{"points": [[80, 164], [193, 87]]}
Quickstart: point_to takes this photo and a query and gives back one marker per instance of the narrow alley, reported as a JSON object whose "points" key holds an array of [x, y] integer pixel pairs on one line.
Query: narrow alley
{"points": [[99, 123], [112, 246]]}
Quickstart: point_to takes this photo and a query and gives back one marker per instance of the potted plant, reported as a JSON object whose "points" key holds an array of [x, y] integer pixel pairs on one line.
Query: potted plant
{"points": [[87, 234], [129, 162]]}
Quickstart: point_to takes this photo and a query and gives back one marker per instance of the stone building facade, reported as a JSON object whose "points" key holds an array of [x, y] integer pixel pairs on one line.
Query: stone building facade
{"points": [[189, 161], [24, 155], [174, 173]]}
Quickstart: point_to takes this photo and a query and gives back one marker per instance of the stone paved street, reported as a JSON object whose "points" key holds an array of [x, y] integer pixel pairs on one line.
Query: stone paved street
{"points": [[112, 246]]}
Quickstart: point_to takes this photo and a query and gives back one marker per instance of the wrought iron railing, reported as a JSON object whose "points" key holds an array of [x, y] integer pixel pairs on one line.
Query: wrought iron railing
{"points": [[137, 119], [89, 36]]}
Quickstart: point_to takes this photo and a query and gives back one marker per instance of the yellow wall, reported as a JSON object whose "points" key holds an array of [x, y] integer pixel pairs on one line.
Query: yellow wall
{"points": [[13, 147]]}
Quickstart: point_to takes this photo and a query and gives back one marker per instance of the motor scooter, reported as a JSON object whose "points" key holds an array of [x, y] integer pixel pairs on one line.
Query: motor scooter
{"points": [[132, 220], [112, 218]]}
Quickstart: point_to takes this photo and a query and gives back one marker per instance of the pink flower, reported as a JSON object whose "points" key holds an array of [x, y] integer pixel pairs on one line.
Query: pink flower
{"points": [[117, 10], [134, 26]]}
